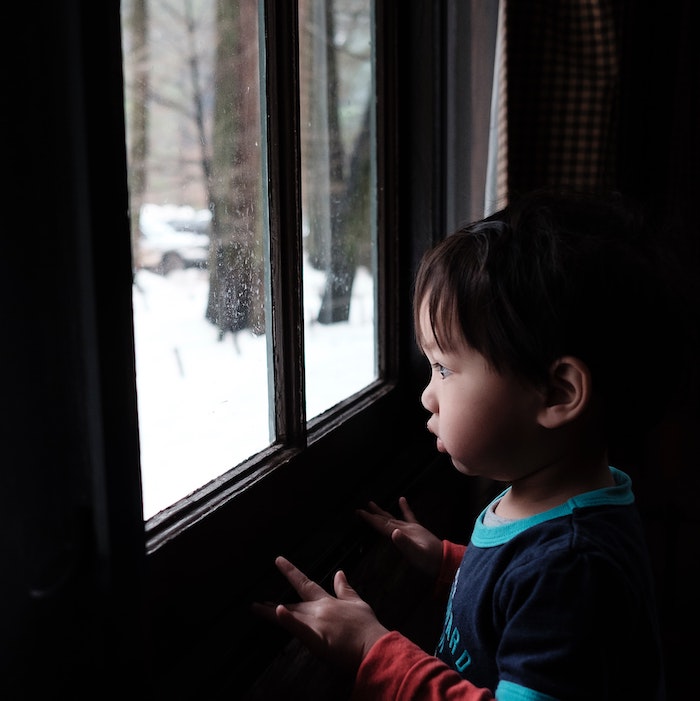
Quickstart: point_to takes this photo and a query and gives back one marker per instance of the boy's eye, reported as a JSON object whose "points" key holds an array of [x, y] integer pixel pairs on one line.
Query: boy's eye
{"points": [[444, 372]]}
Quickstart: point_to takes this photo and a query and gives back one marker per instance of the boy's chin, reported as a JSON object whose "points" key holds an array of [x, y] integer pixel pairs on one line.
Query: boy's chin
{"points": [[461, 467]]}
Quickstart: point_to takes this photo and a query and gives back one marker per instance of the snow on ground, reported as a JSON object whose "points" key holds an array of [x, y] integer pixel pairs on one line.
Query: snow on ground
{"points": [[203, 402]]}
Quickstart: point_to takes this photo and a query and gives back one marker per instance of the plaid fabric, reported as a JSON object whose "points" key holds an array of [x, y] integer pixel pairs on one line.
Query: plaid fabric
{"points": [[562, 64]]}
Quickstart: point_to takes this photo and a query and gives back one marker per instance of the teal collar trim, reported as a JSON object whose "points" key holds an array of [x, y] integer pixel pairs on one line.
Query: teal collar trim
{"points": [[619, 495], [510, 691]]}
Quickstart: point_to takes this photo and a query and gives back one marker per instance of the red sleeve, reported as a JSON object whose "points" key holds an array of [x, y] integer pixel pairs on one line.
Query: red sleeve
{"points": [[395, 669], [452, 554]]}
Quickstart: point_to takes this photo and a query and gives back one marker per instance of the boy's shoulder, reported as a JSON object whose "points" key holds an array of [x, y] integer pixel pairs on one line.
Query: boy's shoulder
{"points": [[603, 543]]}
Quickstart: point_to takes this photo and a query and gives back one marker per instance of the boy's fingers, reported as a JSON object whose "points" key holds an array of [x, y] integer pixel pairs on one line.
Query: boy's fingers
{"points": [[406, 510], [297, 624], [397, 537], [384, 521], [307, 589], [266, 610], [375, 509], [374, 520], [342, 587], [385, 524]]}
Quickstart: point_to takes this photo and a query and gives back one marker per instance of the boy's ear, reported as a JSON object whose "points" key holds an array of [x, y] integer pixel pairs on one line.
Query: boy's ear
{"points": [[568, 392]]}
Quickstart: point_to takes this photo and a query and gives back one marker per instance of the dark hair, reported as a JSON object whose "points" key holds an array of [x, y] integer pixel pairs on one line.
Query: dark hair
{"points": [[553, 275]]}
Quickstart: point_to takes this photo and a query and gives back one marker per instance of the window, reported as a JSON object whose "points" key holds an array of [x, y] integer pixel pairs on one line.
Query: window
{"points": [[254, 243]]}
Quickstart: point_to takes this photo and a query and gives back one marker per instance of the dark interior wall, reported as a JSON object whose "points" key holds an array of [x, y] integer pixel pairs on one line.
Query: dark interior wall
{"points": [[658, 162], [71, 538], [45, 489]]}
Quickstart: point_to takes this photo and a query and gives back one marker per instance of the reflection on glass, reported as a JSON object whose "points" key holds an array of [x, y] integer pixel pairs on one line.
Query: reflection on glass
{"points": [[337, 113], [193, 131]]}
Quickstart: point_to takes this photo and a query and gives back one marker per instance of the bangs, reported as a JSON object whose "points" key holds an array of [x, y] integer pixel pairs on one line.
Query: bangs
{"points": [[441, 307], [451, 283], [465, 299]]}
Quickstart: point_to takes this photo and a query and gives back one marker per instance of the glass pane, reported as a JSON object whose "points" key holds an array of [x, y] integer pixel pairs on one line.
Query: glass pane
{"points": [[338, 184], [194, 146]]}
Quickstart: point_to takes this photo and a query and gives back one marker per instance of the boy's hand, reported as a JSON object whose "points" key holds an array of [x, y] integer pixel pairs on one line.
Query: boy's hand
{"points": [[419, 546], [339, 628]]}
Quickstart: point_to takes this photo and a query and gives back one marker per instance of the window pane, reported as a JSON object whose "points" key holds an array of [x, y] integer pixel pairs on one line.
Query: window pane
{"points": [[194, 145], [337, 151]]}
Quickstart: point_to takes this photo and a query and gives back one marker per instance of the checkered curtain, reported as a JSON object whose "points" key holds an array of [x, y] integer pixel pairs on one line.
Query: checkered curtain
{"points": [[561, 82]]}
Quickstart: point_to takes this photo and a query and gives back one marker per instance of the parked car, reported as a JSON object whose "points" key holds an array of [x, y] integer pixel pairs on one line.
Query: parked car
{"points": [[170, 240]]}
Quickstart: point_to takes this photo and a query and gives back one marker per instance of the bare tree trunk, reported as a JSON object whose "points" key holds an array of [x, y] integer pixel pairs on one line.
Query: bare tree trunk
{"points": [[351, 229], [336, 202], [192, 31], [236, 283]]}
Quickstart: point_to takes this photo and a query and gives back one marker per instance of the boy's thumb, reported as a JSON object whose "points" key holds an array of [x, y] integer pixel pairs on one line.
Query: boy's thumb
{"points": [[342, 587]]}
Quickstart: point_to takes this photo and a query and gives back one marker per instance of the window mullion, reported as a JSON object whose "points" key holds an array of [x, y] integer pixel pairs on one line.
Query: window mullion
{"points": [[285, 293]]}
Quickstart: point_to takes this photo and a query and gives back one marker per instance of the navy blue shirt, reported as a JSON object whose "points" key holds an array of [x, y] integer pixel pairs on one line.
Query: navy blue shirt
{"points": [[559, 605]]}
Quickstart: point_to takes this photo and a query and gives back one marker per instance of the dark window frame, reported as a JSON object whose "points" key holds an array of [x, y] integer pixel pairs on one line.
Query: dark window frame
{"points": [[294, 433]]}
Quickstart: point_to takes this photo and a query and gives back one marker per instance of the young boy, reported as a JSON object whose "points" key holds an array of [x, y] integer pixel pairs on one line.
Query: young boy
{"points": [[544, 331]]}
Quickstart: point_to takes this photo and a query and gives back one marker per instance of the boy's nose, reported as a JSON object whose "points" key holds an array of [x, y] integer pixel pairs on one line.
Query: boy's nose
{"points": [[427, 399]]}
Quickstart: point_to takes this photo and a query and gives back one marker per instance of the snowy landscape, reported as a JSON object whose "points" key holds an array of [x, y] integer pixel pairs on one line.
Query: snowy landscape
{"points": [[203, 401]]}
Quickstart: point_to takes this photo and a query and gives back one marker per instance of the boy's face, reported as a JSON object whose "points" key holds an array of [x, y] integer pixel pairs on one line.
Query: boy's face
{"points": [[485, 421]]}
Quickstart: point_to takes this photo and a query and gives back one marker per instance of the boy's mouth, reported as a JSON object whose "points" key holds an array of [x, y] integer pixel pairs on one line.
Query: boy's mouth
{"points": [[440, 445]]}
